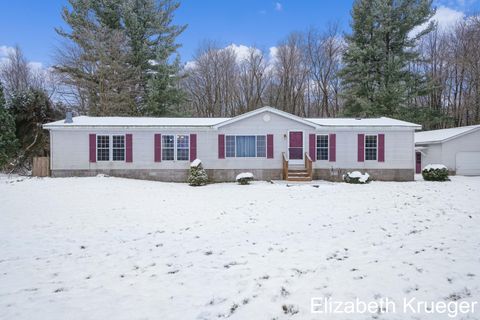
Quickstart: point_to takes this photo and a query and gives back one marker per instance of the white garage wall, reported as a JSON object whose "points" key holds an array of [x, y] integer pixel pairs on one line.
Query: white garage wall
{"points": [[468, 142]]}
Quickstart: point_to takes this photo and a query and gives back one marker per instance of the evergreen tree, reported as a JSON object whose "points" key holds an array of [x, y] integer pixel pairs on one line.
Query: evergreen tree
{"points": [[376, 77], [30, 110], [197, 175], [8, 140], [119, 53]]}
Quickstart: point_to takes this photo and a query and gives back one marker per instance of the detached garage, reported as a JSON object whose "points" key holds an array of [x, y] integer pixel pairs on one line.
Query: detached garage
{"points": [[456, 148]]}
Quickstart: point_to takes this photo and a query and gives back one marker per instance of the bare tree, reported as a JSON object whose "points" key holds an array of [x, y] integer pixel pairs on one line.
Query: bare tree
{"points": [[323, 52], [253, 79], [15, 73], [290, 76]]}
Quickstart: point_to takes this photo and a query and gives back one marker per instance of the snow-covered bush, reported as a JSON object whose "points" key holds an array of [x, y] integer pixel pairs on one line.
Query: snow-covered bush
{"points": [[244, 177], [197, 176], [435, 172], [356, 177]]}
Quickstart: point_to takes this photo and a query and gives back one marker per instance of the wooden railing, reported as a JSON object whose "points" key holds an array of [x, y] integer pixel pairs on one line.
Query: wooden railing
{"points": [[285, 166], [308, 165]]}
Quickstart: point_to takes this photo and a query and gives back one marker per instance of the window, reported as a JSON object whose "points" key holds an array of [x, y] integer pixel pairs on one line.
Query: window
{"points": [[110, 149], [118, 148], [245, 146], [103, 148], [183, 147], [261, 146], [322, 147], [371, 147], [176, 147], [230, 146], [168, 147]]}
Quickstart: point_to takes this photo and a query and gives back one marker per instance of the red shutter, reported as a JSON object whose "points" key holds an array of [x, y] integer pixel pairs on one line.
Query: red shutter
{"points": [[312, 146], [128, 148], [332, 146], [93, 147], [361, 147], [157, 147], [269, 146], [381, 147], [221, 146], [193, 146]]}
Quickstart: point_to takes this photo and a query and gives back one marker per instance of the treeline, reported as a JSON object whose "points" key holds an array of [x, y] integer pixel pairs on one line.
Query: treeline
{"points": [[408, 69]]}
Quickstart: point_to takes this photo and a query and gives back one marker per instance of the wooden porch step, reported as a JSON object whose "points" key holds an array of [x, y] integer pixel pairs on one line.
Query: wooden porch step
{"points": [[297, 173], [307, 178]]}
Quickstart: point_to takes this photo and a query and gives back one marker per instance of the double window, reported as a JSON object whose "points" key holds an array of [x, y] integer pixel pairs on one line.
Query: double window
{"points": [[245, 146], [110, 147], [322, 147], [371, 147], [175, 147]]}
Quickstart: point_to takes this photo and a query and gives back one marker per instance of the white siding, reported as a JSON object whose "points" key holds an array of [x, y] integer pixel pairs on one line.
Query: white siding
{"points": [[399, 150], [432, 155], [70, 147], [468, 142], [445, 153]]}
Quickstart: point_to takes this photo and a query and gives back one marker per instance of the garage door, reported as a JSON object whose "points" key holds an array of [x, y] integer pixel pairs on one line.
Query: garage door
{"points": [[468, 163]]}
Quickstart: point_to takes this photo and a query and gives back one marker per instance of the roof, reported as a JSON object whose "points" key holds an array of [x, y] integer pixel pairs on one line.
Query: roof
{"points": [[267, 109], [442, 135], [363, 122], [86, 122]]}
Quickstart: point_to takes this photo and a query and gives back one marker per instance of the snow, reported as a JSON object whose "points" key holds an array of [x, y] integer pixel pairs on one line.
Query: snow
{"points": [[85, 121], [357, 174], [434, 167], [441, 135], [244, 175], [361, 122], [112, 248], [195, 163]]}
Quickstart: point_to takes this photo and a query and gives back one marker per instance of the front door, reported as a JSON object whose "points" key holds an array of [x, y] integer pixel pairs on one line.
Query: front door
{"points": [[295, 147], [418, 162]]}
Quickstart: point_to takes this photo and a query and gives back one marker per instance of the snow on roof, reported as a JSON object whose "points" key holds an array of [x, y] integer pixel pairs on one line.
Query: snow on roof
{"points": [[436, 136], [361, 122], [84, 121]]}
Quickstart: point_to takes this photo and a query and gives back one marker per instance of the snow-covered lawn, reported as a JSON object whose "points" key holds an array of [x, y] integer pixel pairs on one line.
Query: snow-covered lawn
{"points": [[110, 248]]}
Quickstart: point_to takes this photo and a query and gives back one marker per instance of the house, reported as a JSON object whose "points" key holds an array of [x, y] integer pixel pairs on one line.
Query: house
{"points": [[270, 143], [456, 148]]}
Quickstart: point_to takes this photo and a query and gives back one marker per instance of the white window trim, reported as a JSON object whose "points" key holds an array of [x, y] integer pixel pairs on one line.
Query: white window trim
{"points": [[365, 147], [110, 146], [246, 135], [317, 147], [175, 136]]}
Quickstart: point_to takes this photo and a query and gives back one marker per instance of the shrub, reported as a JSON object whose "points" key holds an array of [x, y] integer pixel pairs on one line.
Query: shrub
{"points": [[197, 175], [435, 172], [244, 178], [356, 177]]}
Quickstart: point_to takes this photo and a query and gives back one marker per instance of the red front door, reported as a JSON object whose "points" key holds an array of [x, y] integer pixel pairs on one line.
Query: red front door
{"points": [[295, 145], [418, 162]]}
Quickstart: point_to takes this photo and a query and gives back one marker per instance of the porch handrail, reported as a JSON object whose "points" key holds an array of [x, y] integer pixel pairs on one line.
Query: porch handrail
{"points": [[308, 165], [285, 166]]}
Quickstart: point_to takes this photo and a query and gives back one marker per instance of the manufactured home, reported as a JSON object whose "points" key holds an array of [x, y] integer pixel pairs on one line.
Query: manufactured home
{"points": [[456, 148], [270, 143]]}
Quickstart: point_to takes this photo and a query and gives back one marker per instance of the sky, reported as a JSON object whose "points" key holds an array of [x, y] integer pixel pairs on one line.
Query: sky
{"points": [[262, 23]]}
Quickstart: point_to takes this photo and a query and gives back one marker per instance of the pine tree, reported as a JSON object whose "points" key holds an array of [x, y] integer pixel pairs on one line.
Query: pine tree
{"points": [[197, 175], [152, 35], [119, 52], [376, 77], [8, 140]]}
